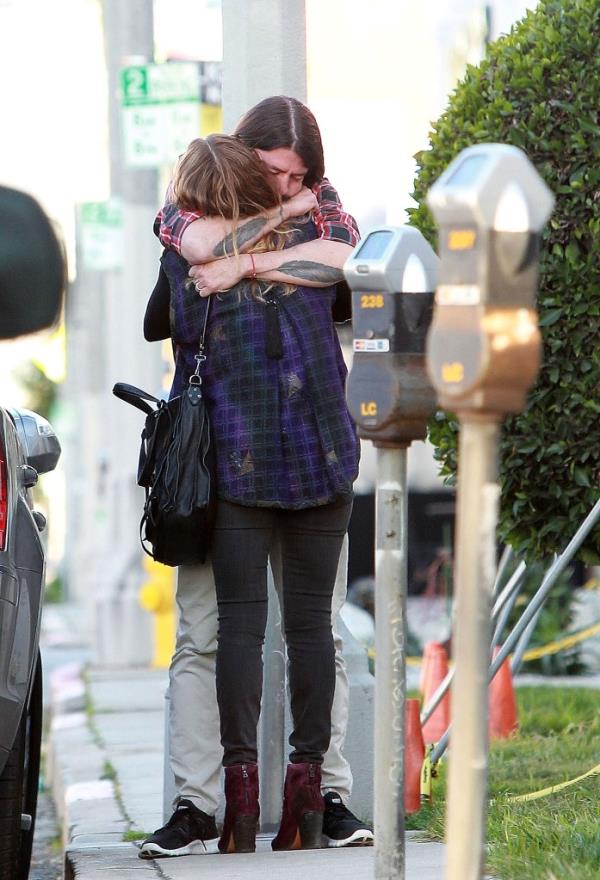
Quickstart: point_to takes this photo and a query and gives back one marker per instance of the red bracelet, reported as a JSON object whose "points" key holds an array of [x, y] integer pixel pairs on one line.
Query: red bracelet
{"points": [[253, 266]]}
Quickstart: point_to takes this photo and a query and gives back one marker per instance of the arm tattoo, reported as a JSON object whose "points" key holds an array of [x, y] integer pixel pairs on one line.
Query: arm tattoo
{"points": [[309, 271], [243, 234]]}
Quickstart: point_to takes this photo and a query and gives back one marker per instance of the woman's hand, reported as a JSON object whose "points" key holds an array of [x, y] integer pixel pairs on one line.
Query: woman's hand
{"points": [[219, 275], [302, 203]]}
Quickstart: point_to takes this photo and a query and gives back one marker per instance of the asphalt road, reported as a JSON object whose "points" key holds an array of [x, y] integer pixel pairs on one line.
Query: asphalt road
{"points": [[47, 856]]}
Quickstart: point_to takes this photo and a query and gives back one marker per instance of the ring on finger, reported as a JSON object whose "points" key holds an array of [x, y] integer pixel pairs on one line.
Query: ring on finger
{"points": [[198, 286]]}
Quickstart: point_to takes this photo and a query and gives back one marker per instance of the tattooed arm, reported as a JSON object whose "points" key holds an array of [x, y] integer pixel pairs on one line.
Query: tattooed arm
{"points": [[315, 263], [211, 238]]}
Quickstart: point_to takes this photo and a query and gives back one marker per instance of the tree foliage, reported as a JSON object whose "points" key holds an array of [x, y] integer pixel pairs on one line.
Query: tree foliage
{"points": [[539, 89]]}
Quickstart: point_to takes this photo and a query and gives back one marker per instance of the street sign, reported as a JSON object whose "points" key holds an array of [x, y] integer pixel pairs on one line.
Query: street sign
{"points": [[174, 82], [161, 111], [101, 235]]}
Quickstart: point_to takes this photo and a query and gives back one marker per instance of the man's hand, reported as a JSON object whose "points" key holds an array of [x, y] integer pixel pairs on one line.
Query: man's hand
{"points": [[302, 203], [219, 275]]}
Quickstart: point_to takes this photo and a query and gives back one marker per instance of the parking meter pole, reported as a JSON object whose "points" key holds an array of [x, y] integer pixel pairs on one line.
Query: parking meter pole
{"points": [[392, 274], [477, 502], [390, 648]]}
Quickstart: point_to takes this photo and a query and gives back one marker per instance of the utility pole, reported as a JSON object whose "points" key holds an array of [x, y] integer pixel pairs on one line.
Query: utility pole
{"points": [[110, 307]]}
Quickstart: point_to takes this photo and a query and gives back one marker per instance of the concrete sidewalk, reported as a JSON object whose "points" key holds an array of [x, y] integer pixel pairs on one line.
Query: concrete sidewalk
{"points": [[105, 764]]}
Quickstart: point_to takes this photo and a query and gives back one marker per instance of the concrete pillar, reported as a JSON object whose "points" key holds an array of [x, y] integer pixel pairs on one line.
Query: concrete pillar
{"points": [[264, 53], [104, 323]]}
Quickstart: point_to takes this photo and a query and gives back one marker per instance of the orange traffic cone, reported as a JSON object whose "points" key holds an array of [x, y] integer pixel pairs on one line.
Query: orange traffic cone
{"points": [[437, 669], [503, 720], [414, 753]]}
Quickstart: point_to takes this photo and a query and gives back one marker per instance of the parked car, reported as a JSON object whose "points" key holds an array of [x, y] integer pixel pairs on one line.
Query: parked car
{"points": [[28, 447], [32, 282]]}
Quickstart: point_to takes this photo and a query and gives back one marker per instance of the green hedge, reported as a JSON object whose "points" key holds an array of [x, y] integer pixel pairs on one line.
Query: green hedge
{"points": [[539, 89]]}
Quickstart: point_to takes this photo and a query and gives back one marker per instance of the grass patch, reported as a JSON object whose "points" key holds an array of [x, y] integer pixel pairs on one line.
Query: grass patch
{"points": [[133, 835], [109, 772], [556, 837]]}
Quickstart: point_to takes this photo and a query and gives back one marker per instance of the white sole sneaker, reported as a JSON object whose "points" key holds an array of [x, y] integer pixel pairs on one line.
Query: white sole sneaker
{"points": [[358, 838], [195, 848]]}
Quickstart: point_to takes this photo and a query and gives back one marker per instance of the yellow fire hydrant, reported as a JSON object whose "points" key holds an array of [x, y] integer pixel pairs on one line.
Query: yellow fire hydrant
{"points": [[157, 595]]}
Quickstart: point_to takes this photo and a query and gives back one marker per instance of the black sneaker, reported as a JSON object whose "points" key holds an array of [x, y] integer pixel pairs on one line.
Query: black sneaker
{"points": [[188, 832], [341, 827]]}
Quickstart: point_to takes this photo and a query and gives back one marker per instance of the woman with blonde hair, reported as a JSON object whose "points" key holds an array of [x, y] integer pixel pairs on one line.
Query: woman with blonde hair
{"points": [[287, 455]]}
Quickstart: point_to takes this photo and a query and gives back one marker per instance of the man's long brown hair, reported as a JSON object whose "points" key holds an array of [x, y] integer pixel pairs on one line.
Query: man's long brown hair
{"points": [[281, 121]]}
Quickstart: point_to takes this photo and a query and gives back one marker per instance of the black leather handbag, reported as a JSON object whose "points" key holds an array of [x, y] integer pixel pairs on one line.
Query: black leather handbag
{"points": [[177, 469]]}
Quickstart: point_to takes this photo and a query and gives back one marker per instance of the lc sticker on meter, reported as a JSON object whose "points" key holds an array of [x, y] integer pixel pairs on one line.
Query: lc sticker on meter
{"points": [[371, 345]]}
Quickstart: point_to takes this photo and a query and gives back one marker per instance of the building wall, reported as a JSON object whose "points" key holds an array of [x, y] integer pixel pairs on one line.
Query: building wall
{"points": [[377, 75]]}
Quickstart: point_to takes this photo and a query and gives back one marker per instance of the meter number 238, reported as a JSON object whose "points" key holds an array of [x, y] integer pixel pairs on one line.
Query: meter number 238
{"points": [[371, 301]]}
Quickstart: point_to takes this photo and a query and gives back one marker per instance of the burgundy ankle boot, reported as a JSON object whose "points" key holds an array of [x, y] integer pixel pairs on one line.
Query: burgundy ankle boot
{"points": [[241, 809], [303, 805]]}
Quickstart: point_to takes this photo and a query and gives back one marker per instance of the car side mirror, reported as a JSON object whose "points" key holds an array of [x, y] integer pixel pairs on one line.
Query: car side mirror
{"points": [[36, 435]]}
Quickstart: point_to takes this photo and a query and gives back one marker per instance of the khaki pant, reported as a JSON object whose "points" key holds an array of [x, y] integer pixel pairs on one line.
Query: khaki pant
{"points": [[195, 749]]}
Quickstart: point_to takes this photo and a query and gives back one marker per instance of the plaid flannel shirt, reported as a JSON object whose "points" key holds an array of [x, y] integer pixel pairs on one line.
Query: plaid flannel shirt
{"points": [[282, 432], [331, 221]]}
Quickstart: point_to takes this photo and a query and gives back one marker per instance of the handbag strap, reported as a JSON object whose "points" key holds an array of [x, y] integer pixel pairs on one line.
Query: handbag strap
{"points": [[135, 396], [201, 356]]}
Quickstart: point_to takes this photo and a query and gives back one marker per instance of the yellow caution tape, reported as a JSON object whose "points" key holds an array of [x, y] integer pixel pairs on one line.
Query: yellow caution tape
{"points": [[595, 771], [426, 774], [563, 644]]}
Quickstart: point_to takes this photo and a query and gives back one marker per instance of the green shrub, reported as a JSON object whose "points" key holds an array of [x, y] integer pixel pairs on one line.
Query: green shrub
{"points": [[539, 89]]}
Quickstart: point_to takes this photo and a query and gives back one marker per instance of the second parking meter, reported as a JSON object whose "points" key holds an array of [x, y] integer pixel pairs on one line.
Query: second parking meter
{"points": [[484, 346], [392, 274]]}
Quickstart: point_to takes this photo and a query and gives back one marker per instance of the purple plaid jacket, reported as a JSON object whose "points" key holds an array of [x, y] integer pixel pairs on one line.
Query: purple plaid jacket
{"points": [[282, 432]]}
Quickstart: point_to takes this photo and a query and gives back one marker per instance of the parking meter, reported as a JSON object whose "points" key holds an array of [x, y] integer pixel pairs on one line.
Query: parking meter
{"points": [[483, 353], [392, 275], [483, 349]]}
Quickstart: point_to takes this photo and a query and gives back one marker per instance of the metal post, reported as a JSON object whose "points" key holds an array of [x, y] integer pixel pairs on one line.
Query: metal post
{"points": [[507, 555], [272, 716], [390, 673], [504, 601], [501, 618], [552, 575], [520, 633], [477, 503]]}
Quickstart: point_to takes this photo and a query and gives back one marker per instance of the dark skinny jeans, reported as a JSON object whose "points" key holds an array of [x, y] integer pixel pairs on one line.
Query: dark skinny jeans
{"points": [[311, 541]]}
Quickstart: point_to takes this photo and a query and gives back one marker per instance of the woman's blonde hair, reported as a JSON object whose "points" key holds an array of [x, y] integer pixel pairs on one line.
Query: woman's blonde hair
{"points": [[221, 176]]}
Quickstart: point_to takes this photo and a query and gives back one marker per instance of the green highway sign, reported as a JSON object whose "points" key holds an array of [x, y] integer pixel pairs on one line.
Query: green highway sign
{"points": [[161, 111], [174, 82], [100, 234], [108, 214]]}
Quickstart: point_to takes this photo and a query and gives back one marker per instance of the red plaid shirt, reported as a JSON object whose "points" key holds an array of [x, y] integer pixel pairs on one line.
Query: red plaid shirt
{"points": [[332, 222]]}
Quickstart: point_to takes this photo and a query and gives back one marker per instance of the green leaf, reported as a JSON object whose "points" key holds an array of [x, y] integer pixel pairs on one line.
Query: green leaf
{"points": [[550, 317], [581, 477]]}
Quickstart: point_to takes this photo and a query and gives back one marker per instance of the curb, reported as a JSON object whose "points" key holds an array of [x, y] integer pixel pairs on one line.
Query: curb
{"points": [[84, 794]]}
